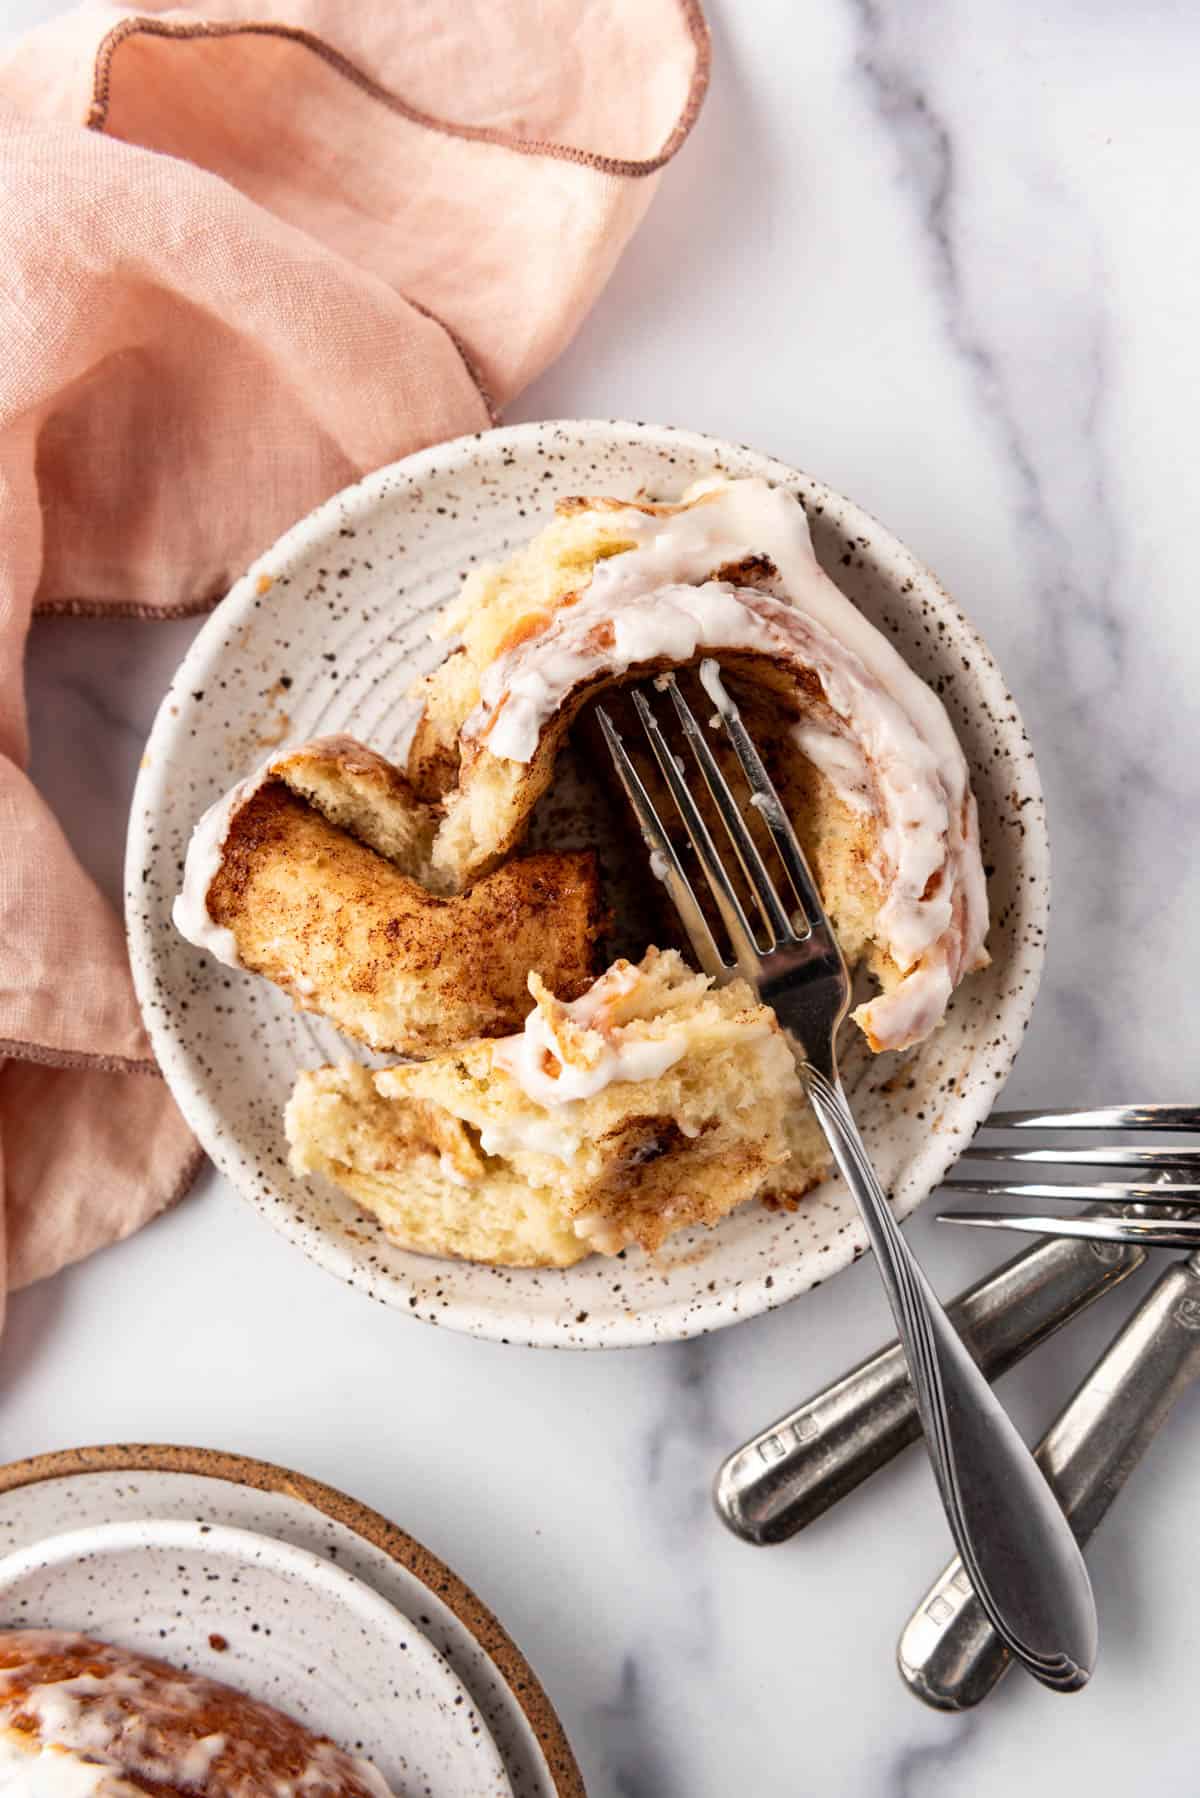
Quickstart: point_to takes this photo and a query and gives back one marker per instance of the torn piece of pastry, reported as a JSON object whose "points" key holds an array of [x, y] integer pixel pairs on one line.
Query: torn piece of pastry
{"points": [[301, 874], [361, 792], [82, 1719], [872, 771], [651, 1103]]}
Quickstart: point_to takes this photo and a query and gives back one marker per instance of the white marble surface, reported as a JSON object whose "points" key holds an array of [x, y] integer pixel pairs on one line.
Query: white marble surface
{"points": [[942, 255]]}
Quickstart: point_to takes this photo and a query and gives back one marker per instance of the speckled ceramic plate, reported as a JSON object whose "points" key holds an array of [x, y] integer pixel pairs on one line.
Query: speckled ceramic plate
{"points": [[278, 1622], [325, 633], [82, 1490]]}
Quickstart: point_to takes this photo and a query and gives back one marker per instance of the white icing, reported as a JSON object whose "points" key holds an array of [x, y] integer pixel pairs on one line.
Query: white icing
{"points": [[189, 914], [672, 621], [118, 1718], [890, 747], [46, 1772], [64, 1718], [326, 1769], [530, 1136], [555, 1067], [198, 1758], [839, 758], [911, 1010], [770, 809]]}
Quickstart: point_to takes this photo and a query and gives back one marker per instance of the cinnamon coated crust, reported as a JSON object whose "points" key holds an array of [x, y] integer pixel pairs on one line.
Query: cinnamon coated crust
{"points": [[341, 929]]}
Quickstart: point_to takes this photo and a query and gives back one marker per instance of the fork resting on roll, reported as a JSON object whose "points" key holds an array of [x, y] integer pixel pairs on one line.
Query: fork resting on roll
{"points": [[1021, 1556]]}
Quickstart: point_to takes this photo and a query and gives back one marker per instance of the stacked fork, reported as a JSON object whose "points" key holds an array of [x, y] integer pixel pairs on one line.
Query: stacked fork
{"points": [[1171, 1192], [1022, 1559], [787, 1476], [1019, 1589]]}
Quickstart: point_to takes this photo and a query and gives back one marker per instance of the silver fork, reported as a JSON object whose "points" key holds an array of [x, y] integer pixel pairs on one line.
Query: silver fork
{"points": [[1168, 1191], [948, 1655], [1017, 1547]]}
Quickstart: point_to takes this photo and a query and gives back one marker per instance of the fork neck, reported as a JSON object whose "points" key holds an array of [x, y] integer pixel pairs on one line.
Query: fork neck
{"points": [[822, 1060]]}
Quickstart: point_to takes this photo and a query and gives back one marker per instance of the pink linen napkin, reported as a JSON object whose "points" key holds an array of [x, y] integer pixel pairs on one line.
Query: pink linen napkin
{"points": [[243, 260]]}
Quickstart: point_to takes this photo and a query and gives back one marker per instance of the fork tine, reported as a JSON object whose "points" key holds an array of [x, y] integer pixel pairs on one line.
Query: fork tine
{"points": [[765, 797], [659, 844], [746, 849], [1154, 1233], [745, 949], [1109, 1192], [1109, 1117], [1104, 1156]]}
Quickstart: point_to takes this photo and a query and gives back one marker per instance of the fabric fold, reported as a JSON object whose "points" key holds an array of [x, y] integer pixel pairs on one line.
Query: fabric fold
{"points": [[246, 258]]}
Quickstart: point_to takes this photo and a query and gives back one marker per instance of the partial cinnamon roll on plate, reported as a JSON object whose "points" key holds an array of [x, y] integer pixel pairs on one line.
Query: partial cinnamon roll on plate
{"points": [[370, 1687], [294, 875], [832, 638], [196, 1660], [83, 1719]]}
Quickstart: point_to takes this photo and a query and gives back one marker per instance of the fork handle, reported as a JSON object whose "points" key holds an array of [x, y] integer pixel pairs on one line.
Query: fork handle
{"points": [[1014, 1541], [788, 1475], [949, 1654]]}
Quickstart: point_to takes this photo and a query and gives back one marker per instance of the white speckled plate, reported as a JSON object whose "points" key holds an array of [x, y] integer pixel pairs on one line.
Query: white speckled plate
{"points": [[276, 1621], [325, 633], [76, 1490]]}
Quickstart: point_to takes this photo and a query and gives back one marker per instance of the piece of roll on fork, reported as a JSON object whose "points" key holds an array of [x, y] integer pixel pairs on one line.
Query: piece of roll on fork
{"points": [[312, 873]]}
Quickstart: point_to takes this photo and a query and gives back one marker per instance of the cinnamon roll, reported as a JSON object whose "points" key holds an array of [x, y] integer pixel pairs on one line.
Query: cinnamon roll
{"points": [[553, 1116], [82, 1719]]}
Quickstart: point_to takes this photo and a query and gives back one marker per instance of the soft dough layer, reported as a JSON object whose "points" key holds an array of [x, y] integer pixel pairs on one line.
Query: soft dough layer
{"points": [[81, 1719], [650, 1104], [613, 591]]}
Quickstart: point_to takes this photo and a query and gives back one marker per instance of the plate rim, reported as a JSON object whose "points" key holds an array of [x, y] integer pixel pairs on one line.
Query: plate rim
{"points": [[119, 1536], [755, 1295], [477, 1618]]}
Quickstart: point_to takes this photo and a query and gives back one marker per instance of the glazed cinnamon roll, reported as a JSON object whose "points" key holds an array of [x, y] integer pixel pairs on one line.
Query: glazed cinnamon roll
{"points": [[866, 757], [81, 1719], [542, 1125]]}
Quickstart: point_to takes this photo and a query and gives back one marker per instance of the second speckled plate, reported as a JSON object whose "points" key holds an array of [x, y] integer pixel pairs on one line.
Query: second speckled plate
{"points": [[326, 633], [281, 1624], [81, 1491]]}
